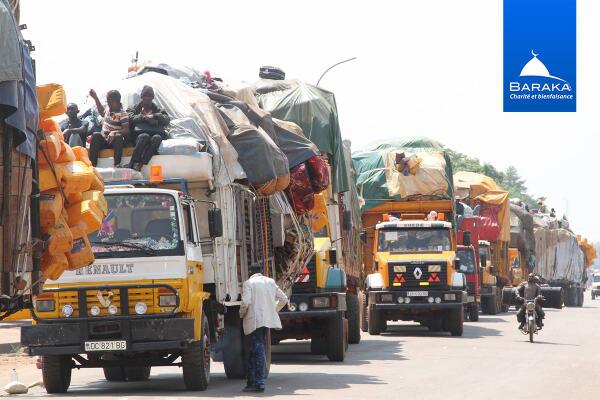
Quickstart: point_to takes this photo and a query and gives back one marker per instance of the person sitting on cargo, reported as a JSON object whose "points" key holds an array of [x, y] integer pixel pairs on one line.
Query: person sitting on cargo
{"points": [[529, 290], [74, 129], [148, 123], [115, 127]]}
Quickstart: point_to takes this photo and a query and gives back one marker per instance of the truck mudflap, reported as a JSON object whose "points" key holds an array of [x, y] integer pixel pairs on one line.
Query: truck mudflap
{"points": [[396, 300], [314, 305], [139, 335]]}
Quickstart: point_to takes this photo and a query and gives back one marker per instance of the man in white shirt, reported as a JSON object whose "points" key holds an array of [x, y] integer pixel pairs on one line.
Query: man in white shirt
{"points": [[261, 300]]}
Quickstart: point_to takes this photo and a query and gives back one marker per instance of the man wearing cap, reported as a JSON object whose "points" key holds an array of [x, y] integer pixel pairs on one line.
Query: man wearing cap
{"points": [[74, 129], [148, 124]]}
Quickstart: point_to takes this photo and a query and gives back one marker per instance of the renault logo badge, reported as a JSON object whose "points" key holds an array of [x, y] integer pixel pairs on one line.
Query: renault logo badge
{"points": [[418, 273]]}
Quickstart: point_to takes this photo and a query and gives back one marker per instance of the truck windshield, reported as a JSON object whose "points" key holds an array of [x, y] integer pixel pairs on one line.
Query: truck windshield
{"points": [[414, 239], [138, 225], [596, 278], [467, 260]]}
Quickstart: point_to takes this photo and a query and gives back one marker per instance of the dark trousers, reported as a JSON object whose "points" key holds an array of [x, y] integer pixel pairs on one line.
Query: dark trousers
{"points": [[145, 148], [538, 309], [100, 142], [256, 359]]}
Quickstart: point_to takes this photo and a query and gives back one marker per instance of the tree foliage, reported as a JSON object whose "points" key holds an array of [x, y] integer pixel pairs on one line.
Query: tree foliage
{"points": [[509, 179]]}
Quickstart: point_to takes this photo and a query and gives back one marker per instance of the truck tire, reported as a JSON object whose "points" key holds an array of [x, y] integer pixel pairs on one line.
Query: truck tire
{"points": [[491, 304], [318, 345], [581, 298], [364, 323], [136, 374], [353, 316], [234, 354], [195, 361], [474, 312], [337, 338], [114, 374], [56, 373], [456, 320], [375, 321], [593, 296]]}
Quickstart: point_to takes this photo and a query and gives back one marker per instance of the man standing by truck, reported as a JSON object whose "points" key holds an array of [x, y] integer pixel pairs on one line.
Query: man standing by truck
{"points": [[261, 301]]}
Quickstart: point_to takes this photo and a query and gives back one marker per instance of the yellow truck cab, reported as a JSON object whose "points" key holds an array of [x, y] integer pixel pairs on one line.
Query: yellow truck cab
{"points": [[491, 294], [414, 276], [165, 286]]}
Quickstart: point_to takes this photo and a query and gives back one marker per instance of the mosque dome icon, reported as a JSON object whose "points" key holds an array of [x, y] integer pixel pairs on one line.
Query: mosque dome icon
{"points": [[537, 68]]}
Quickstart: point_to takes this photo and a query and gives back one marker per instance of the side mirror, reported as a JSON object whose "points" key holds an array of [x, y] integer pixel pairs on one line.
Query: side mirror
{"points": [[332, 257], [215, 223], [457, 264], [466, 238], [347, 222], [363, 236], [492, 269]]}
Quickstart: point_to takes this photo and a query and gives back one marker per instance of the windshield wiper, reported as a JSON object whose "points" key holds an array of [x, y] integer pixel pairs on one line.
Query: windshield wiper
{"points": [[146, 249]]}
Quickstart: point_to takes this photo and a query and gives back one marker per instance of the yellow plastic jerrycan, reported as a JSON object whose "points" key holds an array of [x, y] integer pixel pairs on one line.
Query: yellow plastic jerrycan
{"points": [[81, 154], [85, 214], [97, 181], [76, 177], [81, 254], [61, 238], [50, 177], [97, 197], [51, 205], [53, 265], [66, 153], [49, 149]]}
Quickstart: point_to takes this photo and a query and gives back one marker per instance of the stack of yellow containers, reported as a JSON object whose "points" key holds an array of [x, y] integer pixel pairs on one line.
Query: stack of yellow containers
{"points": [[72, 204]]}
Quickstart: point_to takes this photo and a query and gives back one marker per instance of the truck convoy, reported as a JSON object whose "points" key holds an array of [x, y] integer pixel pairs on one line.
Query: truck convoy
{"points": [[324, 304], [409, 247]]}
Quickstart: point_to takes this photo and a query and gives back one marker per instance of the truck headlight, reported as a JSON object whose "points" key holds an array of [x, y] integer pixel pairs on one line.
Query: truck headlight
{"points": [[141, 308], [386, 298], [44, 305], [321, 302], [168, 300], [67, 310], [95, 311], [292, 307], [449, 296], [303, 306], [112, 309]]}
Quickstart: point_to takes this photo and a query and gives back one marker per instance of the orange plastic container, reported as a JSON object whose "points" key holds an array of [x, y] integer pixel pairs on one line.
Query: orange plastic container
{"points": [[54, 265], [97, 181], [76, 177], [48, 179], [51, 205], [81, 154], [51, 126], [61, 238], [81, 254], [52, 100], [85, 214], [99, 200], [49, 149], [66, 153]]}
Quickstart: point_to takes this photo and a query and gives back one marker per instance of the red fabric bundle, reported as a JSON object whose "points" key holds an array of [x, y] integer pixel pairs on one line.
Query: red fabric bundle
{"points": [[300, 191], [319, 173], [489, 227]]}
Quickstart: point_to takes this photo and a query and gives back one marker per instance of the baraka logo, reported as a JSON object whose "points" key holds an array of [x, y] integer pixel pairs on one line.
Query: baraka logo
{"points": [[546, 86]]}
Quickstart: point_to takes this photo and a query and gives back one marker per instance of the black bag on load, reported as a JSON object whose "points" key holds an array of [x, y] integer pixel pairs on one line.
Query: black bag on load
{"points": [[268, 72]]}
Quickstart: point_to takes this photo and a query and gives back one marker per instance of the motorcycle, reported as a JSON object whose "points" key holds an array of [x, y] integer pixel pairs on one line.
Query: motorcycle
{"points": [[531, 318]]}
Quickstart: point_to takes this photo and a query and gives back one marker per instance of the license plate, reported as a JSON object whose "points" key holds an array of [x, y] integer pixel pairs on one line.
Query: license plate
{"points": [[106, 345], [418, 293]]}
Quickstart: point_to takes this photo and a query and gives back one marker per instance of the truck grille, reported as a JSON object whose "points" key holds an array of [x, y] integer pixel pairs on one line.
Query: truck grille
{"points": [[406, 275], [307, 281]]}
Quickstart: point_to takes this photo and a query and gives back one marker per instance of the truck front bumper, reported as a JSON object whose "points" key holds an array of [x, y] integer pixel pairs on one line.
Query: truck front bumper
{"points": [[313, 312], [417, 303], [140, 334]]}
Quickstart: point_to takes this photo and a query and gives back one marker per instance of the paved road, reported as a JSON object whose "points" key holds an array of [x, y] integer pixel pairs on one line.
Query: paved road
{"points": [[492, 361]]}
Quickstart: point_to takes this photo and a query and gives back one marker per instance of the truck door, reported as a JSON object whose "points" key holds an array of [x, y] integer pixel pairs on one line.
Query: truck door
{"points": [[193, 250]]}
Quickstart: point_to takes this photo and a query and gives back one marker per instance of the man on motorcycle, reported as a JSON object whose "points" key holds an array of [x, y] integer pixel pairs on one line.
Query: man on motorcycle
{"points": [[529, 290]]}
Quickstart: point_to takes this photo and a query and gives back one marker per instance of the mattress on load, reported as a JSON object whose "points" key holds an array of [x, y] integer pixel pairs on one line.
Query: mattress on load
{"points": [[195, 167]]}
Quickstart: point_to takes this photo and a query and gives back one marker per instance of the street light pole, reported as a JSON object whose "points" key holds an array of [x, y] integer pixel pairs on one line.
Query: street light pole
{"points": [[334, 65]]}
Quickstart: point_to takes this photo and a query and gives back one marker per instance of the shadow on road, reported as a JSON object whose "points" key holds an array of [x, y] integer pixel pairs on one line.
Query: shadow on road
{"points": [[171, 385], [471, 331], [289, 353], [485, 319]]}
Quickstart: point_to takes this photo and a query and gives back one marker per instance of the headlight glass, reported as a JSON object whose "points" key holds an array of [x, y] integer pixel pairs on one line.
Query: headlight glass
{"points": [[387, 298], [321, 302], [530, 306], [141, 308], [449, 296], [303, 306], [112, 309], [168, 300], [67, 310], [44, 305], [292, 307], [95, 311]]}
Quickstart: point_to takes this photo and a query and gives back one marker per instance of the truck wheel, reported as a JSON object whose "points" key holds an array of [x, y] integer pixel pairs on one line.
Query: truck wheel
{"points": [[593, 296], [56, 373], [364, 323], [337, 338], [375, 321], [195, 361], [233, 354], [318, 345], [581, 298], [114, 374], [455, 321], [135, 374], [474, 312], [353, 315]]}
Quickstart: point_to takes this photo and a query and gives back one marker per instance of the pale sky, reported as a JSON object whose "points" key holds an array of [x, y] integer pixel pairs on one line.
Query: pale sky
{"points": [[428, 67]]}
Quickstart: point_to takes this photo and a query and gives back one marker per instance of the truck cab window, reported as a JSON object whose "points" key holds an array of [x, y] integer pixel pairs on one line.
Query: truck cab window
{"points": [[189, 226]]}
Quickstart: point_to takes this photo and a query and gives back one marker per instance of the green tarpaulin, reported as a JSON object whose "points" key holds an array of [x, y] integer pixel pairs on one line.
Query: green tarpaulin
{"points": [[315, 111], [370, 165]]}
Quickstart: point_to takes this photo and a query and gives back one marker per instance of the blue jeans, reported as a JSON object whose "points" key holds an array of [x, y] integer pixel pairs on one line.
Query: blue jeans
{"points": [[256, 359]]}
